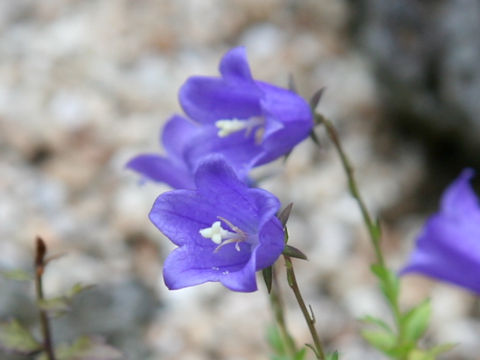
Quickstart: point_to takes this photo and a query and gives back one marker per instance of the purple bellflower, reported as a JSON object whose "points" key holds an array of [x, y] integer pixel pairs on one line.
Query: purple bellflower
{"points": [[249, 122], [172, 168], [224, 230], [448, 248]]}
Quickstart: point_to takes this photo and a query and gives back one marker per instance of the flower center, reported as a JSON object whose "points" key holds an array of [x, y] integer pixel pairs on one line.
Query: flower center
{"points": [[230, 126], [222, 237]]}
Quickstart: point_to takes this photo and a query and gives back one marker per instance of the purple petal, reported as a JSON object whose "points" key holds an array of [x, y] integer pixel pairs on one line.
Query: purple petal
{"points": [[449, 248], [448, 252], [459, 196], [161, 169], [177, 133], [240, 151], [208, 99], [186, 267], [272, 243], [243, 280], [234, 65]]}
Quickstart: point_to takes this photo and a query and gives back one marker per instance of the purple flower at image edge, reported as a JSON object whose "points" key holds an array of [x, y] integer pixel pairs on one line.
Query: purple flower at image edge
{"points": [[225, 231], [250, 122], [448, 247], [171, 169]]}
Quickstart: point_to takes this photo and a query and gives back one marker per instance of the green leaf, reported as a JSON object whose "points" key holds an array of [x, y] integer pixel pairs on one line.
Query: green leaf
{"points": [[415, 321], [440, 349], [389, 282], [268, 278], [77, 289], [300, 355], [275, 340], [375, 321], [333, 356], [382, 340], [55, 306], [294, 252], [86, 348], [15, 338], [17, 274]]}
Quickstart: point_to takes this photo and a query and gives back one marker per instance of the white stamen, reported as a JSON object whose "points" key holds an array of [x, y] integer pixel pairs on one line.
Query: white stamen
{"points": [[230, 126], [215, 232], [222, 237]]}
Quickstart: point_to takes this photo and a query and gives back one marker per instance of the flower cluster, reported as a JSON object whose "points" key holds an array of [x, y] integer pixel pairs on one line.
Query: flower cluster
{"points": [[448, 248], [225, 230]]}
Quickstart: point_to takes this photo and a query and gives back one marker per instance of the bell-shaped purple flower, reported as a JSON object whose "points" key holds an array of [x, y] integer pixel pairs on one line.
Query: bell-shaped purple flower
{"points": [[251, 122], [172, 168], [225, 231], [448, 248]]}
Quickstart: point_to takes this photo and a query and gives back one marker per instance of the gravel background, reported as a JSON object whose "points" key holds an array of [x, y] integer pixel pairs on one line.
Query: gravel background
{"points": [[85, 85]]}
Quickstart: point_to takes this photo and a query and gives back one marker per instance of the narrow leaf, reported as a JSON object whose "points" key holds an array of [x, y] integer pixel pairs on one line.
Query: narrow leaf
{"points": [[415, 321], [378, 322], [294, 252], [77, 289], [381, 340], [300, 355], [315, 138], [17, 339], [333, 356], [17, 274], [55, 306]]}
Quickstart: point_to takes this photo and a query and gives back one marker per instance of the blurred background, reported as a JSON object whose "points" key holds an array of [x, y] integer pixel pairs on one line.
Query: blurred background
{"points": [[86, 85]]}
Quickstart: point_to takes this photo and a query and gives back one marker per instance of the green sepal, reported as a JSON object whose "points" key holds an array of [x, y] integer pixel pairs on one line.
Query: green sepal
{"points": [[415, 321], [267, 274], [316, 97], [285, 214], [17, 339], [315, 138], [293, 252]]}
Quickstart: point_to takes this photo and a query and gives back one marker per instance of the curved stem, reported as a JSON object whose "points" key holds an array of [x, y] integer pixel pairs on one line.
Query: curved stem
{"points": [[372, 227], [292, 282]]}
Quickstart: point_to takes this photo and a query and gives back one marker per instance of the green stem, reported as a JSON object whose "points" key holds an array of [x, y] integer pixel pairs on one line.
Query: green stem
{"points": [[352, 185], [292, 282], [278, 309], [373, 228], [41, 251]]}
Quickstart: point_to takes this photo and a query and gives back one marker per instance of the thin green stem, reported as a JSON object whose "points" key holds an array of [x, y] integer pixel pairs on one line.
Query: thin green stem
{"points": [[278, 309], [372, 227], [352, 185], [41, 250], [310, 320]]}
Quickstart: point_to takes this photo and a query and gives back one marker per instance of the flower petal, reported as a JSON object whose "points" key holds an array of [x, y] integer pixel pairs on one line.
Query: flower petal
{"points": [[459, 197], [208, 99], [271, 243], [177, 133], [447, 252], [161, 169], [240, 151], [234, 65]]}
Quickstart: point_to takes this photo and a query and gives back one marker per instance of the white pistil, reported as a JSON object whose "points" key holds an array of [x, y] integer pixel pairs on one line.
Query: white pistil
{"points": [[230, 126], [222, 237]]}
